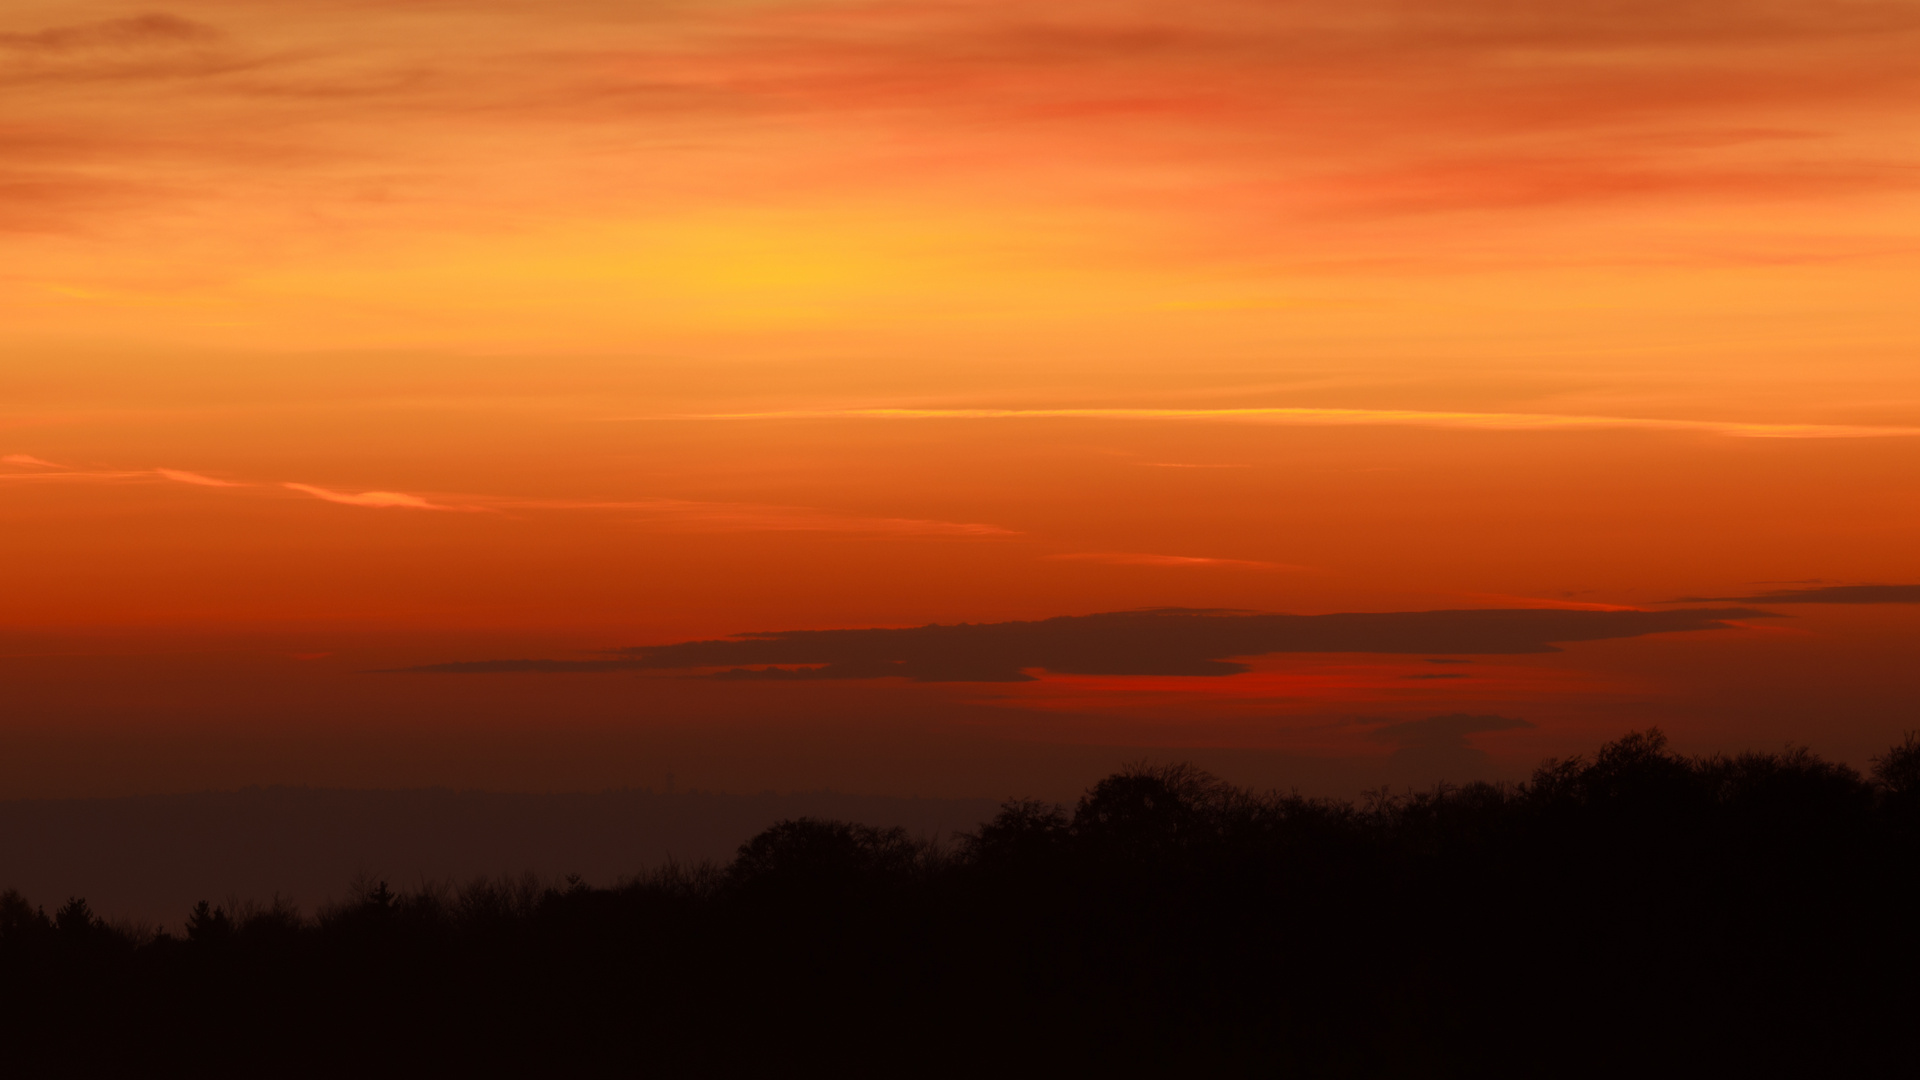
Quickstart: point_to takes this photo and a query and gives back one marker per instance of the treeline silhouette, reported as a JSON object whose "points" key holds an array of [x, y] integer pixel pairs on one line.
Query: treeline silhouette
{"points": [[1632, 909]]}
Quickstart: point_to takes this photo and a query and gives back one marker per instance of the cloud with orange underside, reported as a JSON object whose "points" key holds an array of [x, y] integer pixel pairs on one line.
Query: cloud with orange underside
{"points": [[1308, 704]]}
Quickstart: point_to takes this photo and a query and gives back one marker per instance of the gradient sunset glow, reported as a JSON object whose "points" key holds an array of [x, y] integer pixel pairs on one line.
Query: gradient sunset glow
{"points": [[380, 378]]}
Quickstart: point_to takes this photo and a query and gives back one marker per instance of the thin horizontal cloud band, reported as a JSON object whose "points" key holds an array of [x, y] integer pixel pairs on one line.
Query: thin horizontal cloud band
{"points": [[688, 513], [1141, 558], [1173, 641], [1824, 594], [1483, 421]]}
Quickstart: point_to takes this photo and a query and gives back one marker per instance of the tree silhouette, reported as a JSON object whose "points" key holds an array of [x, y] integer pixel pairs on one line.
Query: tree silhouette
{"points": [[1897, 773], [20, 922], [805, 856], [207, 924], [1732, 913], [75, 920]]}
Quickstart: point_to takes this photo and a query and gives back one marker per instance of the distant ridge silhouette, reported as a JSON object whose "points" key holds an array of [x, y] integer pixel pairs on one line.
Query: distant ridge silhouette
{"points": [[151, 856]]}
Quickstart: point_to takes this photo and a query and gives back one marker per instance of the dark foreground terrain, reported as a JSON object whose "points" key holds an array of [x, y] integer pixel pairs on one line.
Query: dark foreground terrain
{"points": [[1634, 910]]}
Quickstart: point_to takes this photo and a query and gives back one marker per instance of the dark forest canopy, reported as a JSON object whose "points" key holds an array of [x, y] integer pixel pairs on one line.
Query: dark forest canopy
{"points": [[1631, 907]]}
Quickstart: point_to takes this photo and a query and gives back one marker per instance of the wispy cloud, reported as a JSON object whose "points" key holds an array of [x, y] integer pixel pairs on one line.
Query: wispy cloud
{"points": [[1320, 417], [1381, 106], [139, 31], [685, 514], [377, 499], [1139, 558], [181, 476], [30, 468], [758, 517], [143, 48]]}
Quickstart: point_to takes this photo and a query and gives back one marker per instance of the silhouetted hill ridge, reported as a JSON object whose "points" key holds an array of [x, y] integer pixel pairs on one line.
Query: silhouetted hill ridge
{"points": [[150, 857]]}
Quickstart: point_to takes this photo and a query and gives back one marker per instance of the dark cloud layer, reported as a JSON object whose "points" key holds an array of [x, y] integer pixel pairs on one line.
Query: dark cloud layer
{"points": [[1174, 641], [1823, 594]]}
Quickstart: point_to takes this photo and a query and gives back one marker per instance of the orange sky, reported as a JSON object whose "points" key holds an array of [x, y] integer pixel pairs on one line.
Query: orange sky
{"points": [[361, 334]]}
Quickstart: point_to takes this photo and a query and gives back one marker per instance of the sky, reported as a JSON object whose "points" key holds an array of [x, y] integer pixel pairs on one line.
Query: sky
{"points": [[434, 392]]}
